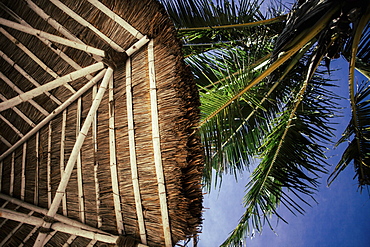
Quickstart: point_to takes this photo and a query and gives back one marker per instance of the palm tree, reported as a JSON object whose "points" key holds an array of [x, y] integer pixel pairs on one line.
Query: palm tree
{"points": [[265, 98]]}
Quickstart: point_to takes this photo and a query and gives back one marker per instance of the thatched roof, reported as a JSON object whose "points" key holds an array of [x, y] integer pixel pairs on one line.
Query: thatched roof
{"points": [[97, 116]]}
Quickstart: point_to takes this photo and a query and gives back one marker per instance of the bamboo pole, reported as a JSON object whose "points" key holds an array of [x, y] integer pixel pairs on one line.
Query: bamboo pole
{"points": [[1, 174], [116, 18], [92, 243], [28, 237], [5, 141], [27, 76], [69, 241], [113, 160], [61, 227], [33, 57], [96, 164], [85, 23], [50, 85], [62, 153], [11, 126], [60, 28], [54, 113], [81, 203], [19, 113], [14, 230], [23, 172], [73, 156], [16, 89], [135, 47], [132, 147], [51, 37], [157, 147], [11, 186], [48, 166], [44, 211], [37, 143]]}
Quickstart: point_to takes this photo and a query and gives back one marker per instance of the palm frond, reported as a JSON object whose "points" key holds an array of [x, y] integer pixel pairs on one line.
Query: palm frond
{"points": [[292, 157]]}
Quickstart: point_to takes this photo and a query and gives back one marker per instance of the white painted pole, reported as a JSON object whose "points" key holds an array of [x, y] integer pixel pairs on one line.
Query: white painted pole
{"points": [[85, 23], [135, 47], [113, 161], [61, 227], [33, 57], [73, 156], [50, 85], [157, 147], [19, 113], [16, 89], [54, 113], [23, 172], [116, 18], [51, 37], [132, 147]]}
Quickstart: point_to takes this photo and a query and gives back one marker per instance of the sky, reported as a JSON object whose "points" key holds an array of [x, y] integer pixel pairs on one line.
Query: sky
{"points": [[341, 218]]}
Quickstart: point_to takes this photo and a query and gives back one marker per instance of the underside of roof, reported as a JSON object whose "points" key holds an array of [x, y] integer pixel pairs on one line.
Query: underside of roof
{"points": [[97, 126]]}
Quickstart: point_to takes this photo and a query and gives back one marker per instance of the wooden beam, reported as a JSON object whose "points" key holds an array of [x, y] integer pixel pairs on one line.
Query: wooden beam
{"points": [[73, 156], [132, 148], [157, 147], [5, 141], [44, 211], [81, 203], [19, 113], [11, 126], [113, 160], [135, 47], [23, 171], [85, 23], [54, 113], [57, 226], [27, 76], [48, 165], [16, 89], [11, 186], [52, 37], [62, 155], [50, 85], [116, 18], [37, 173], [33, 57]]}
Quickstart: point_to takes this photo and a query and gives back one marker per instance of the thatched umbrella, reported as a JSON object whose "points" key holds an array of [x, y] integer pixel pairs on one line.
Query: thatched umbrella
{"points": [[97, 116]]}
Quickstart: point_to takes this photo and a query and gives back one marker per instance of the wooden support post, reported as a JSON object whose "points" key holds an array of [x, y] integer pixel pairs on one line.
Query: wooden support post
{"points": [[116, 18], [51, 37], [37, 144], [19, 113], [33, 57], [54, 113], [157, 147], [50, 85], [23, 172], [132, 147], [62, 154], [48, 166], [81, 204], [16, 89], [113, 160], [84, 23], [11, 187], [73, 156]]}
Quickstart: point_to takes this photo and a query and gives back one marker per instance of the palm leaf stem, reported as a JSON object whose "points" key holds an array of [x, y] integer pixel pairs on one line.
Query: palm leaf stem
{"points": [[255, 66], [356, 40], [284, 56], [242, 25], [286, 71]]}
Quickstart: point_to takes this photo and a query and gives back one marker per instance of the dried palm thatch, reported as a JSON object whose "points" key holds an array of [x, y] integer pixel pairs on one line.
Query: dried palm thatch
{"points": [[97, 111]]}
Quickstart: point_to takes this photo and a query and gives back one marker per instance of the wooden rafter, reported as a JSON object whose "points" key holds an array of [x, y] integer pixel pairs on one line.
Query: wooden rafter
{"points": [[27, 76], [157, 147], [50, 85], [19, 113], [116, 18], [54, 113], [85, 23], [52, 37], [73, 156]]}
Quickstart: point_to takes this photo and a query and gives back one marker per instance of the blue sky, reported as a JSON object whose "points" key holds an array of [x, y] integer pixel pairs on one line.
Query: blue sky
{"points": [[341, 218]]}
